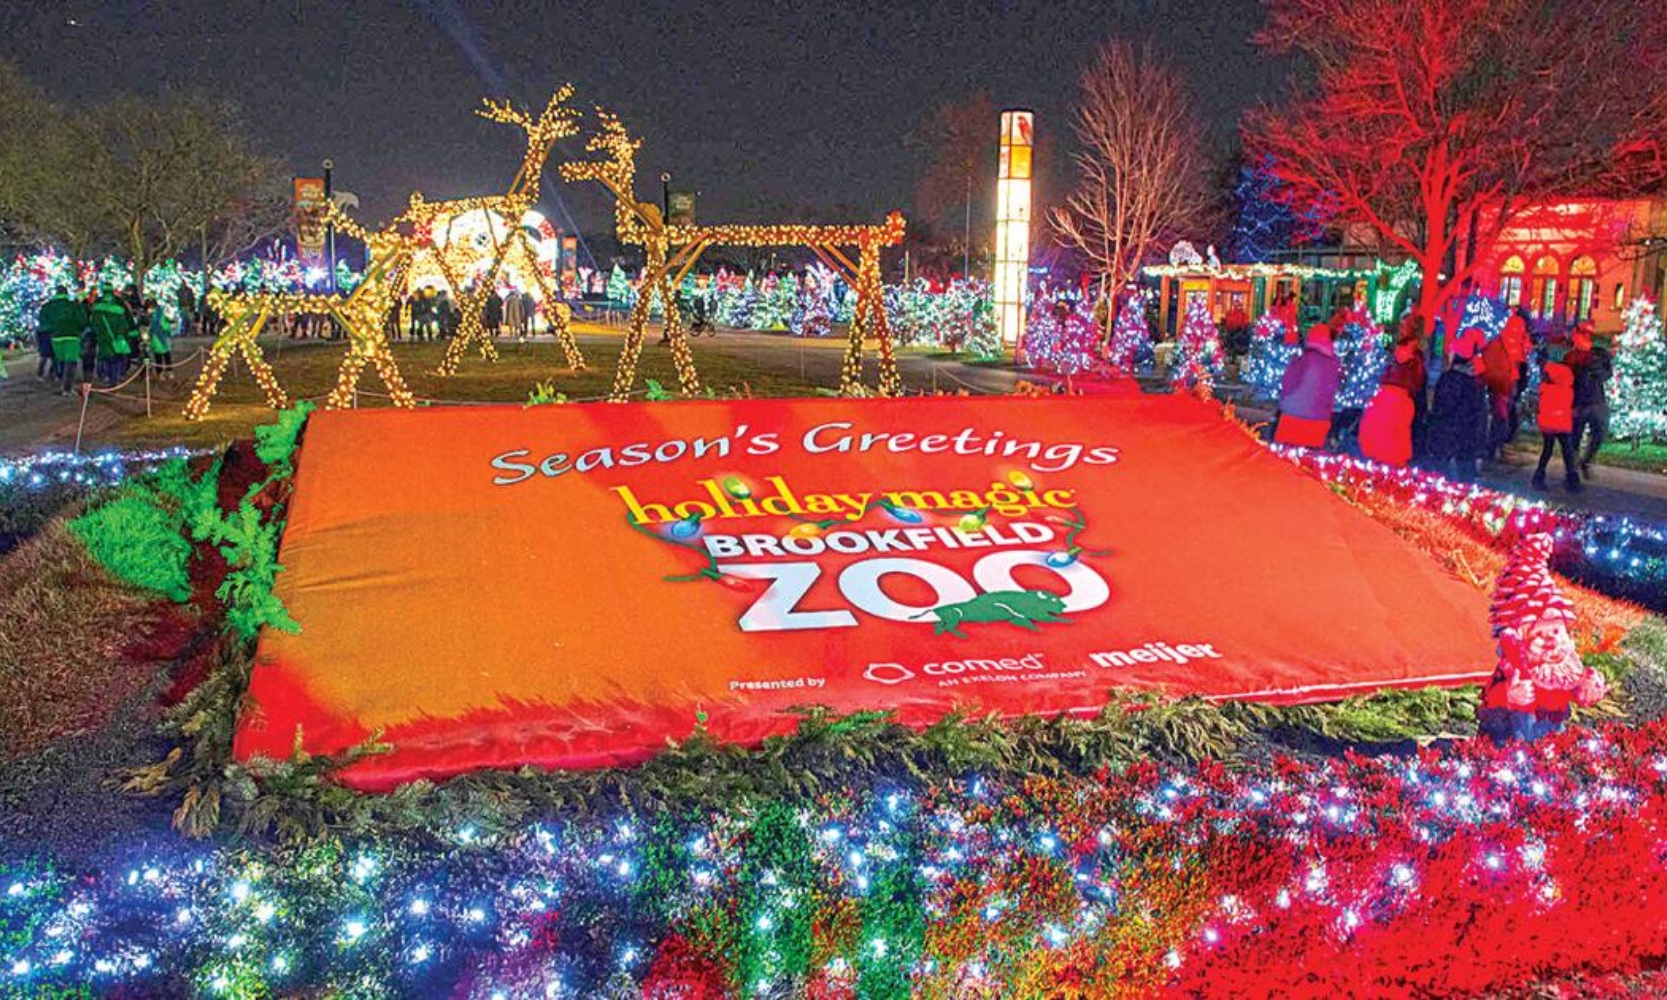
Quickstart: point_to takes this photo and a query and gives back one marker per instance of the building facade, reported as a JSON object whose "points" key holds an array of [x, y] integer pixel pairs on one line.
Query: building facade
{"points": [[1574, 261]]}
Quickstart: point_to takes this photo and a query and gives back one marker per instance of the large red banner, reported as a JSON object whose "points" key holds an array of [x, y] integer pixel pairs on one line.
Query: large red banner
{"points": [[575, 585]]}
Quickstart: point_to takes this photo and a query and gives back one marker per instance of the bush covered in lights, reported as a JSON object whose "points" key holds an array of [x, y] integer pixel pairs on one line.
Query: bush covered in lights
{"points": [[1471, 868], [1041, 858]]}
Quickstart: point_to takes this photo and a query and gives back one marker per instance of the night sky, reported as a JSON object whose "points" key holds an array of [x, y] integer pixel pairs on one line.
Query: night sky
{"points": [[765, 108]]}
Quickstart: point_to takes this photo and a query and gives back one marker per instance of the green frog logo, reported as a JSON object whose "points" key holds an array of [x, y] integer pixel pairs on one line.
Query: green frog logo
{"points": [[1023, 608]]}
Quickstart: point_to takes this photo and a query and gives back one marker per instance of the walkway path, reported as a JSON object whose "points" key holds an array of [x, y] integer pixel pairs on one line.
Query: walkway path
{"points": [[31, 412]]}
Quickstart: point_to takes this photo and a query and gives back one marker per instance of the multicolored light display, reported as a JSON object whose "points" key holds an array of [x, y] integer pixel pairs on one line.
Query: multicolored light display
{"points": [[1487, 863]]}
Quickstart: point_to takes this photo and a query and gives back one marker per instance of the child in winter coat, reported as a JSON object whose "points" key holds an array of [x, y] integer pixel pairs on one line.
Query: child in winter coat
{"points": [[1308, 393], [1386, 427], [1459, 417], [1557, 423]]}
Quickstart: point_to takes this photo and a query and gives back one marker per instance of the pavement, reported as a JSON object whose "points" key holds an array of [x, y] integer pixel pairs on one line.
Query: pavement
{"points": [[32, 414]]}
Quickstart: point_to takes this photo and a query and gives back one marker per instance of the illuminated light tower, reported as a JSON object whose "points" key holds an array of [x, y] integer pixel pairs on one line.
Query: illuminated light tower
{"points": [[1013, 224]]}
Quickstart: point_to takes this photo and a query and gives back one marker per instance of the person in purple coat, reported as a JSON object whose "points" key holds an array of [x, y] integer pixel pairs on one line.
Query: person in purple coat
{"points": [[1308, 393]]}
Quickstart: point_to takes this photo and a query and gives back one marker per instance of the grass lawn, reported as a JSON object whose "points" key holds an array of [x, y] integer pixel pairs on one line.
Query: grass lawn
{"points": [[1645, 456], [307, 370]]}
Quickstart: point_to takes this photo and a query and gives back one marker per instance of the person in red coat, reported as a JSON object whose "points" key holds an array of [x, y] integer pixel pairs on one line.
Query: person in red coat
{"points": [[1557, 423], [1499, 374], [1386, 427]]}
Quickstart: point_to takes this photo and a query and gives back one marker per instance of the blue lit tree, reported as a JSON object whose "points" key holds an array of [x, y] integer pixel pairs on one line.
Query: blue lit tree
{"points": [[1264, 223]]}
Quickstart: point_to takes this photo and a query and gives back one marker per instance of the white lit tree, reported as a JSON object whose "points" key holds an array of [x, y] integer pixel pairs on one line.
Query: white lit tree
{"points": [[1639, 394], [1198, 356]]}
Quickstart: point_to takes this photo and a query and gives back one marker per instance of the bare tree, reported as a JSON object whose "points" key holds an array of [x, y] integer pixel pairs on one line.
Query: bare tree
{"points": [[158, 172], [144, 178], [1140, 165]]}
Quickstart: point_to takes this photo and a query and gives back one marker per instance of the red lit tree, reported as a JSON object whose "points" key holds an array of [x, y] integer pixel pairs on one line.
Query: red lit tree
{"points": [[1433, 122]]}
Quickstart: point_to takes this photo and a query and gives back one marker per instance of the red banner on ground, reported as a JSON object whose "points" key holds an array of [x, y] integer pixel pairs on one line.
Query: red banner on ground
{"points": [[575, 585]]}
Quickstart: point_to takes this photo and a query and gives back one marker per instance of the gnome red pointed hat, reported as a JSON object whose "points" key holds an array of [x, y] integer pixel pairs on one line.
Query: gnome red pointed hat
{"points": [[1526, 592]]}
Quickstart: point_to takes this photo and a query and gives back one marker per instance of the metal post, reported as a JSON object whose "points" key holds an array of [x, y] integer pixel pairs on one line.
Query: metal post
{"points": [[86, 394], [966, 237], [147, 388], [330, 228], [202, 299]]}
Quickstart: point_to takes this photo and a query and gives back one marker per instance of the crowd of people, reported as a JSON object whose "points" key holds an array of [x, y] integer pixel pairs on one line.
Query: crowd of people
{"points": [[97, 339], [430, 314], [1471, 408]]}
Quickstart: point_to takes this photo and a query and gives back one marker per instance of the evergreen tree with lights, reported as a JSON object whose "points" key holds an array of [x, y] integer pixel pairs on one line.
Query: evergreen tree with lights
{"points": [[973, 303], [1131, 337], [1198, 356], [1638, 397], [1363, 351], [763, 316], [619, 287], [1059, 336], [1271, 352], [736, 308], [1264, 223]]}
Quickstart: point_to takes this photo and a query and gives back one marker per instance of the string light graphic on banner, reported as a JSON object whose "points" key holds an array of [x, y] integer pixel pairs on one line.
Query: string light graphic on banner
{"points": [[673, 250]]}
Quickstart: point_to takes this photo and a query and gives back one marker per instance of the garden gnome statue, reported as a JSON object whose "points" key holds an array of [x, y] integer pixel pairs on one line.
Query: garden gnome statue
{"points": [[1540, 672]]}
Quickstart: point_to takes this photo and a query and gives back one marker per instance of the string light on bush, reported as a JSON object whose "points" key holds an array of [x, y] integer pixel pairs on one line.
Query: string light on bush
{"points": [[1011, 886]]}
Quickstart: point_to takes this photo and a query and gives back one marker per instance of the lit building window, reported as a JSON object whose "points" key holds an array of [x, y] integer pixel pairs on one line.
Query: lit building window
{"points": [[1544, 303], [1510, 281], [1583, 286]]}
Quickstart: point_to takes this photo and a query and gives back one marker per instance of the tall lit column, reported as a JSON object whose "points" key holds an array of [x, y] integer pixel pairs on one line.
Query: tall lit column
{"points": [[1013, 224]]}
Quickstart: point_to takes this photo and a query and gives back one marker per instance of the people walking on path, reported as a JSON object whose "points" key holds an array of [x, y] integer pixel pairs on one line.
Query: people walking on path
{"points": [[65, 319], [1593, 368], [1557, 423], [1459, 416]]}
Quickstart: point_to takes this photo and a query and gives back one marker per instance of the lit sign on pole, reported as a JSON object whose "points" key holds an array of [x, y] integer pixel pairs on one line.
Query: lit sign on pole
{"points": [[1013, 224]]}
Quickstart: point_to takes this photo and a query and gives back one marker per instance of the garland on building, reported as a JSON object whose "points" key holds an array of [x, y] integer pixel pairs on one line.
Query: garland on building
{"points": [[1198, 357], [1639, 393]]}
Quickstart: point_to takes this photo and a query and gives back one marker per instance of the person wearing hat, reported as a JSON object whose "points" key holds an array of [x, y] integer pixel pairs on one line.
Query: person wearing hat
{"points": [[1557, 422], [64, 319], [1459, 416], [1386, 427], [112, 324], [1308, 393]]}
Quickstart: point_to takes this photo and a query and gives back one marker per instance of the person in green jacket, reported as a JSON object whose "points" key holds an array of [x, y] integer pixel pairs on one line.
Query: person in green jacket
{"points": [[64, 319], [112, 326], [163, 325]]}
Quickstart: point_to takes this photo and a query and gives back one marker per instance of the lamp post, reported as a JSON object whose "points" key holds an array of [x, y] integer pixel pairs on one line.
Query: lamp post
{"points": [[330, 228]]}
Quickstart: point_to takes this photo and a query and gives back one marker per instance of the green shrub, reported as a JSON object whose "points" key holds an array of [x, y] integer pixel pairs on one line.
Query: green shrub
{"points": [[137, 530]]}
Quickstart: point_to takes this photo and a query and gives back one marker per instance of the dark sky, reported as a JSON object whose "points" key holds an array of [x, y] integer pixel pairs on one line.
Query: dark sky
{"points": [[760, 106]]}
